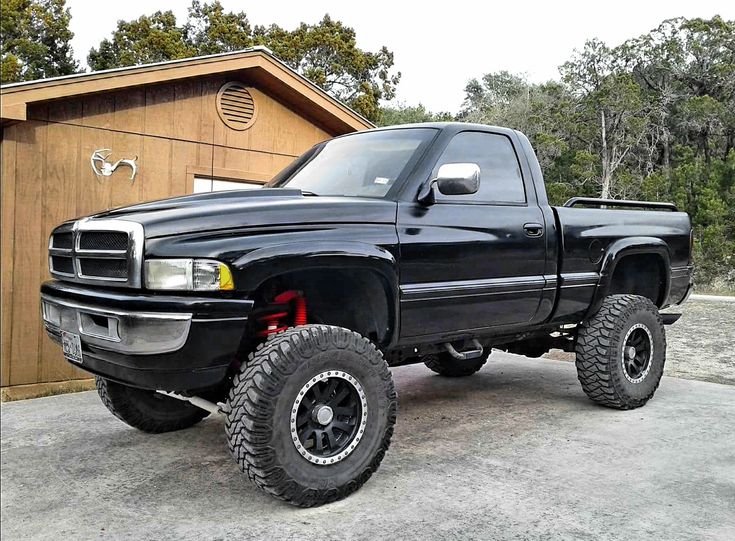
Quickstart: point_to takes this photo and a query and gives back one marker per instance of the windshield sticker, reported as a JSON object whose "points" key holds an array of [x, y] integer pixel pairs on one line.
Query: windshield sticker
{"points": [[381, 180]]}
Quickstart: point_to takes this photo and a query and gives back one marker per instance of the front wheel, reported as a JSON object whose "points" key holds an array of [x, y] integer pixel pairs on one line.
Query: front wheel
{"points": [[148, 411], [621, 352], [311, 414]]}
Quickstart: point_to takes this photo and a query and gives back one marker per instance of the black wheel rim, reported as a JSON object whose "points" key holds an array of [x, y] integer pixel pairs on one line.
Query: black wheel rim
{"points": [[637, 353], [328, 417]]}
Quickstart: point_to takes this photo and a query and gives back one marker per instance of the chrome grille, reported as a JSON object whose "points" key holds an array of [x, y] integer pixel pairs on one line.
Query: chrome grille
{"points": [[97, 251]]}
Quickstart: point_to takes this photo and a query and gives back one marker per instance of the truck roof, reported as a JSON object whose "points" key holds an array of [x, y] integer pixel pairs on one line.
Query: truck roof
{"points": [[452, 126]]}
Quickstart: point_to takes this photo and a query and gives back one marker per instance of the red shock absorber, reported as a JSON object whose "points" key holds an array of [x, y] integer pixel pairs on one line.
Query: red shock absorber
{"points": [[276, 322], [299, 305], [272, 324]]}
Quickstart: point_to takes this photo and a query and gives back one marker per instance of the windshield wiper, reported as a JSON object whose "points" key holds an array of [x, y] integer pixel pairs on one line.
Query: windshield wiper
{"points": [[309, 194]]}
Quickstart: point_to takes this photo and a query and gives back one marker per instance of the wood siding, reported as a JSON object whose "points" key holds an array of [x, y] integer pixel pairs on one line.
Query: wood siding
{"points": [[175, 132]]}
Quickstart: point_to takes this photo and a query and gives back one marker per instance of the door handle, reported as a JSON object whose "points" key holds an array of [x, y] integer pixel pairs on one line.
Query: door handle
{"points": [[533, 230]]}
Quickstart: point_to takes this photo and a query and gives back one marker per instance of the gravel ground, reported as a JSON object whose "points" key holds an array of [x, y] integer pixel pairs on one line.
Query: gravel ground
{"points": [[702, 342], [701, 345]]}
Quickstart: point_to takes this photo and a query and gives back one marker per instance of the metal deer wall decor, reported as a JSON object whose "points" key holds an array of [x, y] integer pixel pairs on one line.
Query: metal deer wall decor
{"points": [[103, 168]]}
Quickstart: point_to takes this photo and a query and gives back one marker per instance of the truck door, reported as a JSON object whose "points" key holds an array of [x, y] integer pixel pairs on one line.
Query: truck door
{"points": [[473, 261]]}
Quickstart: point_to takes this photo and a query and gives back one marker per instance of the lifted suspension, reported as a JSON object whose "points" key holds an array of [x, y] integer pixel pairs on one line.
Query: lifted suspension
{"points": [[278, 313], [277, 318]]}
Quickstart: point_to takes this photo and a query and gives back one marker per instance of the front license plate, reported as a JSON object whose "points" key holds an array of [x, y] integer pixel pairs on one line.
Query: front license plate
{"points": [[72, 346]]}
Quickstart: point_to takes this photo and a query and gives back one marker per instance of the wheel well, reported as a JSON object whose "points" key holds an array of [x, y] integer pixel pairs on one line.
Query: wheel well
{"points": [[639, 274], [356, 299]]}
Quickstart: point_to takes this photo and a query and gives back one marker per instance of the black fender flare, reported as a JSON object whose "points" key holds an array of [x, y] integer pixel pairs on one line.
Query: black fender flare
{"points": [[255, 268], [625, 247]]}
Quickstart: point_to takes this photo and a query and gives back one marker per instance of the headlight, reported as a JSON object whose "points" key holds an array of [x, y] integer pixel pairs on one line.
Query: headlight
{"points": [[188, 274]]}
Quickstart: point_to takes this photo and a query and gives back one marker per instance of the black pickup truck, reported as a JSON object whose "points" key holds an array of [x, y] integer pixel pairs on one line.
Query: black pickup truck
{"points": [[284, 307]]}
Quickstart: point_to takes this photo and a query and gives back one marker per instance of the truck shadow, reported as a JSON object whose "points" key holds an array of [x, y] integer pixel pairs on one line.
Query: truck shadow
{"points": [[502, 400], [516, 380]]}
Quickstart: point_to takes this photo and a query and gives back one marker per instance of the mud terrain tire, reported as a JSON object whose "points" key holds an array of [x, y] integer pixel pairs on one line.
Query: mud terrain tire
{"points": [[612, 371], [274, 414]]}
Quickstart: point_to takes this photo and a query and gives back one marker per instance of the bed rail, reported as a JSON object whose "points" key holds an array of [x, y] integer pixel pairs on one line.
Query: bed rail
{"points": [[594, 201]]}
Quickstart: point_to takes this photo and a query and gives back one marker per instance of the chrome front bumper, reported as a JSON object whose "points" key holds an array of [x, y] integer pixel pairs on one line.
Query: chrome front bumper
{"points": [[132, 333]]}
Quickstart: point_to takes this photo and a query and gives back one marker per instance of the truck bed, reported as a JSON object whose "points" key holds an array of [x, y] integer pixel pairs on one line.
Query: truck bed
{"points": [[589, 238]]}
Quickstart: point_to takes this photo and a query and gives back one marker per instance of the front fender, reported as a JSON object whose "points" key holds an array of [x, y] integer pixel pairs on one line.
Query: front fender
{"points": [[625, 247], [254, 268]]}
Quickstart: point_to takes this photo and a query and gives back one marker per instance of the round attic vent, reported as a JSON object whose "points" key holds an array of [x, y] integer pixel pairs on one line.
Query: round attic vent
{"points": [[236, 106]]}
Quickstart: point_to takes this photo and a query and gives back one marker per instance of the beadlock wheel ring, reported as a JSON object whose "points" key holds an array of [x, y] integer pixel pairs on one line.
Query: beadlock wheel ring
{"points": [[349, 411], [636, 356]]}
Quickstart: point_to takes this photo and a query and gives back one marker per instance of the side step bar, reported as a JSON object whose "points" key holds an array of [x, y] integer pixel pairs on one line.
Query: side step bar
{"points": [[465, 355]]}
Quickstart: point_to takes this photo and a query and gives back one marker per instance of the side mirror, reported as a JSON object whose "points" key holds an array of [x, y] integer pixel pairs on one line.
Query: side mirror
{"points": [[453, 179]]}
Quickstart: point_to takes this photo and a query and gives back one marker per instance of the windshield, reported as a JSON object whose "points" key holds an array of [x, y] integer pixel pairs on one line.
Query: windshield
{"points": [[362, 165]]}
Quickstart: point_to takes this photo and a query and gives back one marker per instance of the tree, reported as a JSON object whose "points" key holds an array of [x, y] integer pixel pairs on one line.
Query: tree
{"points": [[654, 59], [35, 40], [210, 30], [542, 112], [410, 114], [709, 46], [148, 39], [499, 98], [651, 119], [326, 53], [612, 97]]}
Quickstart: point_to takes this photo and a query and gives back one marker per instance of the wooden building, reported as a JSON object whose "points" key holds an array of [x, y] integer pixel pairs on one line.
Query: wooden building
{"points": [[217, 122]]}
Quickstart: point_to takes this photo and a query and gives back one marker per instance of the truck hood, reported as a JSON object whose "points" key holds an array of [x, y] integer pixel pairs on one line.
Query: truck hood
{"points": [[250, 208]]}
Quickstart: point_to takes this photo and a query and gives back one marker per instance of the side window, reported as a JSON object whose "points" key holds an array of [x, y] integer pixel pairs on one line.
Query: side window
{"points": [[500, 173]]}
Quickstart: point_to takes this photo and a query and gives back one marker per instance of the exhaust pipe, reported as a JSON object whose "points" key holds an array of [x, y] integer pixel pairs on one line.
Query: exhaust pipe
{"points": [[211, 407]]}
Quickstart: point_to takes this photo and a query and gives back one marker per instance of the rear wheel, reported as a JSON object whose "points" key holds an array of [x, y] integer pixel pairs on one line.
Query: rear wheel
{"points": [[148, 411], [445, 365], [621, 352], [311, 414]]}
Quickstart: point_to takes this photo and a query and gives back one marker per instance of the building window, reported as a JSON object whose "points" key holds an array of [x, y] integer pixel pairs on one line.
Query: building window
{"points": [[204, 184]]}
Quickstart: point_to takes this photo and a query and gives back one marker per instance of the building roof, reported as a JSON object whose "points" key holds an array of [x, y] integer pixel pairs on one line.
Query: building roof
{"points": [[258, 63]]}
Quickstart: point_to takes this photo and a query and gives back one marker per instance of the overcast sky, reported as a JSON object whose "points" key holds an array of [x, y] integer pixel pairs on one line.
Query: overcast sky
{"points": [[437, 49]]}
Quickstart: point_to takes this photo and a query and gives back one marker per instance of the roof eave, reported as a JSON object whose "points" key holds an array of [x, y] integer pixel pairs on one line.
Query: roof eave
{"points": [[17, 96]]}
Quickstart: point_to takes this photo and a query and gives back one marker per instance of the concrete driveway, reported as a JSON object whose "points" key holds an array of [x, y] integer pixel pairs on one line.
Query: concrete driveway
{"points": [[514, 452]]}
